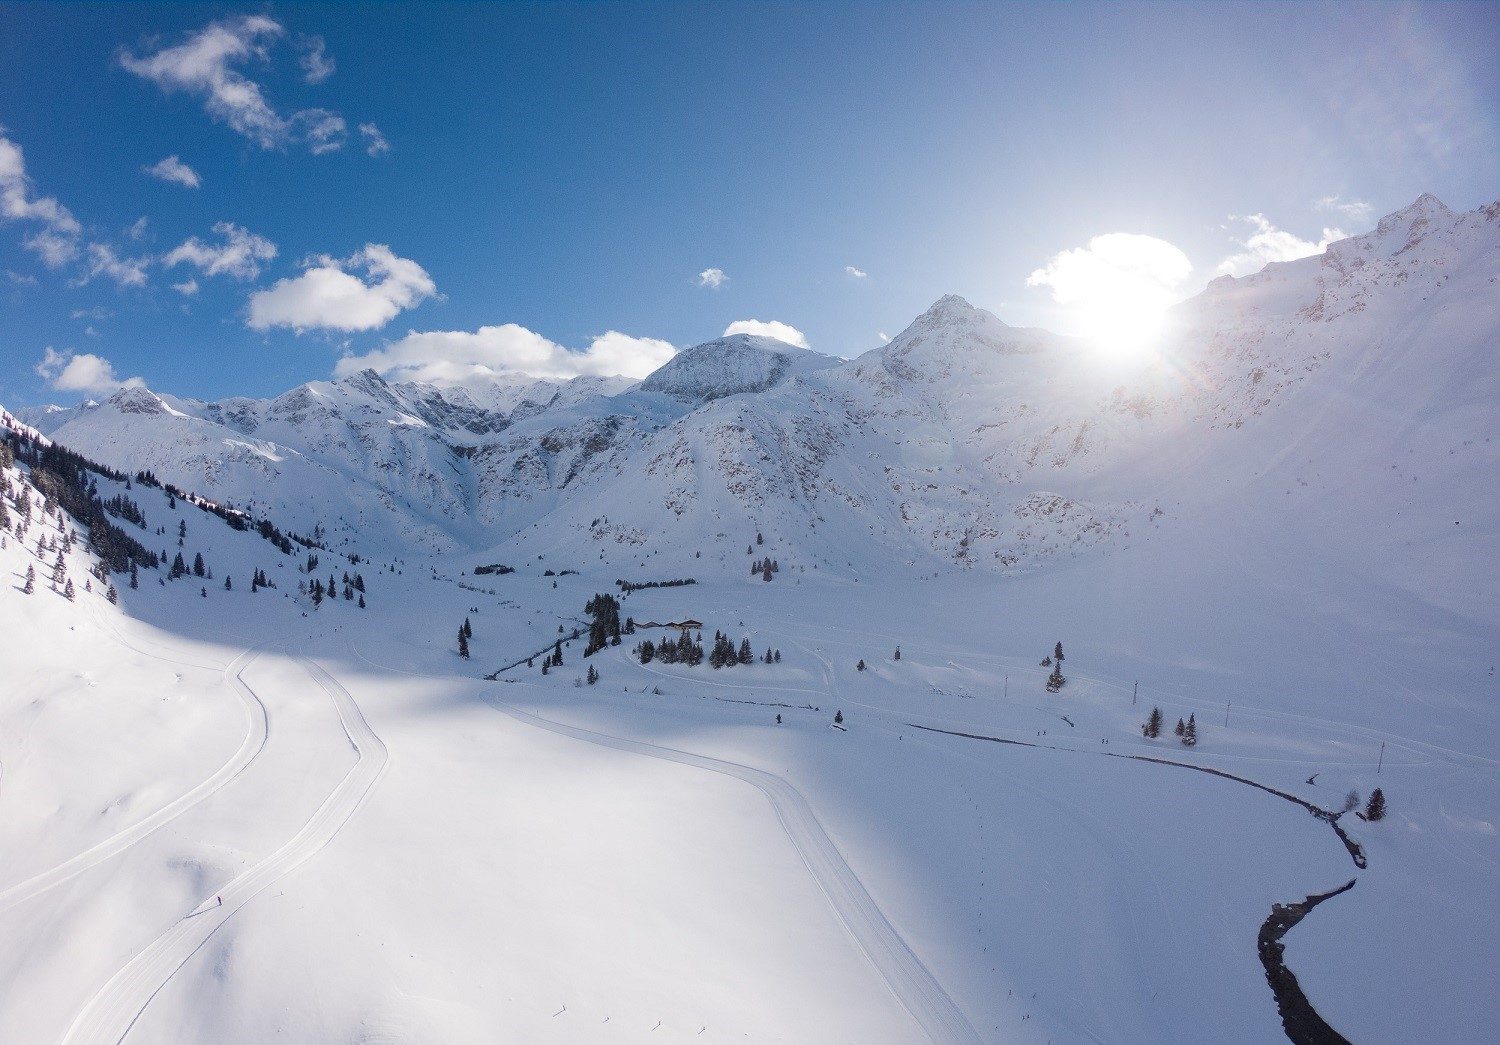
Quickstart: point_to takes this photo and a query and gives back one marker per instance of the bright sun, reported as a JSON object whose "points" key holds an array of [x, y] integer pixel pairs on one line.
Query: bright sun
{"points": [[1117, 289]]}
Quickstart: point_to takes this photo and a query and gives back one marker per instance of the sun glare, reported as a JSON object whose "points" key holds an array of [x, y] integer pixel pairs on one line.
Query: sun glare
{"points": [[1116, 291]]}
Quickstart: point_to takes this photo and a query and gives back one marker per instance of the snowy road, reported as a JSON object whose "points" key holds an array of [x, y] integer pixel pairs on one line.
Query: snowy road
{"points": [[913, 984], [108, 1016]]}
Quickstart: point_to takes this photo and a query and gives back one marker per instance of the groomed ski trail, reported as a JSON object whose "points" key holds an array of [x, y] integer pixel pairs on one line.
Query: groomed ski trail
{"points": [[255, 740], [912, 983], [108, 1016]]}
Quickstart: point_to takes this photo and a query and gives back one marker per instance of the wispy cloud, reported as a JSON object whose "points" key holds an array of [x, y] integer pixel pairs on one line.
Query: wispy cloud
{"points": [[330, 296], [103, 261], [714, 278], [375, 143], [239, 253], [1267, 243], [187, 288], [56, 242], [1354, 210], [174, 170], [768, 328], [69, 371], [855, 272], [207, 64], [317, 64]]}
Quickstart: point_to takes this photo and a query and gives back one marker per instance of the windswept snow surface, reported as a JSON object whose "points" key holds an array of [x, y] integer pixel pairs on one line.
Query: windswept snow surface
{"points": [[1286, 527]]}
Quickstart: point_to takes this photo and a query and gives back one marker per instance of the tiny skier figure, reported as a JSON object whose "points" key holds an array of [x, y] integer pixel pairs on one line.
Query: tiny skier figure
{"points": [[220, 899]]}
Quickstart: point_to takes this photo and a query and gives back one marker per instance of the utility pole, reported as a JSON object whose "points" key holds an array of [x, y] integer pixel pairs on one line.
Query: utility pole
{"points": [[1136, 693], [1381, 762], [1007, 687]]}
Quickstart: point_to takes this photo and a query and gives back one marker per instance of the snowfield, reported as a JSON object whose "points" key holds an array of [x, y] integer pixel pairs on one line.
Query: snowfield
{"points": [[237, 816]]}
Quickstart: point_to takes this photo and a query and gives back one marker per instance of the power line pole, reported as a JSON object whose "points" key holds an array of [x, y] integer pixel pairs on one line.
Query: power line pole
{"points": [[1136, 693], [1382, 758], [1007, 687]]}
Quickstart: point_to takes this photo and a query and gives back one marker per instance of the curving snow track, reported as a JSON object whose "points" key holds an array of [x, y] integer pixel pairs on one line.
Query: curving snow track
{"points": [[912, 983], [108, 1016], [250, 747]]}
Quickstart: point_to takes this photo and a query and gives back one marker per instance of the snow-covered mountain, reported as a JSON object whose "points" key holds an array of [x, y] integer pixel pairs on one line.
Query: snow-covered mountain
{"points": [[963, 441]]}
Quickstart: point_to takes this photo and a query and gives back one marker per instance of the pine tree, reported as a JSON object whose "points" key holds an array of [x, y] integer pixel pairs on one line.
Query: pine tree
{"points": [[198, 564], [544, 665], [747, 655], [468, 629], [68, 590], [361, 602], [1152, 728], [135, 577], [778, 656], [593, 675], [30, 580], [463, 644], [1057, 654], [778, 718], [1375, 809], [1190, 732], [1181, 728], [838, 717], [898, 653], [860, 666], [112, 595], [228, 584]]}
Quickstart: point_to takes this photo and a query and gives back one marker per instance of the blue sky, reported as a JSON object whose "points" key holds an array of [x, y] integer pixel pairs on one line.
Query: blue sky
{"points": [[557, 178]]}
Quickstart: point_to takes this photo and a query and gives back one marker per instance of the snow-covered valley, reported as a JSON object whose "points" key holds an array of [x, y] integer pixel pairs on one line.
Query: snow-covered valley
{"points": [[293, 810]]}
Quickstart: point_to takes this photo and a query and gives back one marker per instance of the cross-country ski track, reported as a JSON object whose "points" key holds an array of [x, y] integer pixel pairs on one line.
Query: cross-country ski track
{"points": [[255, 740], [912, 983], [108, 1016]]}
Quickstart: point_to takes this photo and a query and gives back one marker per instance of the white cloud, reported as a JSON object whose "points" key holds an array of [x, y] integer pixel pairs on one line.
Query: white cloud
{"points": [[138, 229], [174, 170], [68, 371], [239, 255], [1114, 269], [712, 278], [57, 241], [103, 261], [329, 296], [20, 279], [1267, 243], [323, 131], [187, 288], [856, 273], [768, 328], [885, 339], [375, 142], [317, 64], [1354, 210], [205, 64], [453, 355]]}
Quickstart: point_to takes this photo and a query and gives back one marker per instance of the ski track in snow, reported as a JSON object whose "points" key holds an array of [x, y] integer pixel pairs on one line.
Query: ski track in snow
{"points": [[113, 1010], [912, 983], [250, 748]]}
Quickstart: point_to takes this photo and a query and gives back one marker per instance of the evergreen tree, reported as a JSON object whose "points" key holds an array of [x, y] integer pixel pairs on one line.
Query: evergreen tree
{"points": [[1152, 728], [544, 665], [198, 565], [898, 653], [1181, 727], [778, 718], [838, 717], [361, 602], [1190, 732], [1057, 654], [30, 580], [468, 629], [112, 595], [228, 584], [778, 656], [135, 577], [463, 644], [860, 666], [593, 675], [1375, 809], [747, 655], [68, 590], [557, 655]]}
